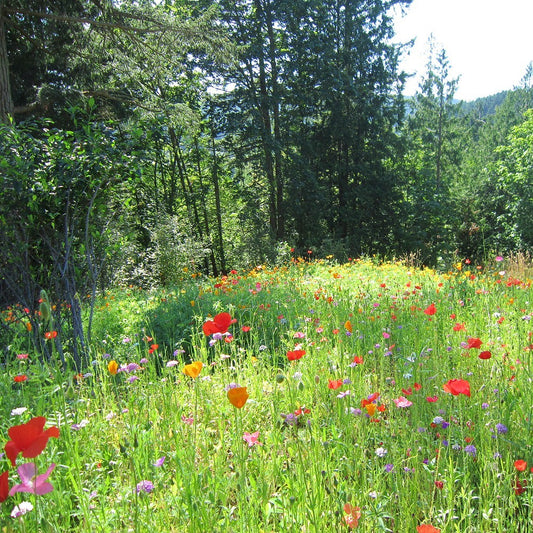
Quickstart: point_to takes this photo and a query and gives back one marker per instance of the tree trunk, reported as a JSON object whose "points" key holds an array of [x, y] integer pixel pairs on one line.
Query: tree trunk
{"points": [[6, 101]]}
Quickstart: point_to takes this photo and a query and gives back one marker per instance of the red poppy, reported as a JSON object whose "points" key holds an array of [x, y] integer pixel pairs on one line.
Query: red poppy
{"points": [[459, 327], [520, 487], [4, 486], [485, 355], [219, 324], [439, 484], [153, 348], [457, 386], [432, 399], [408, 391], [29, 438], [520, 465], [370, 399], [417, 386], [50, 335], [20, 378], [473, 342], [245, 329], [295, 355], [335, 384], [358, 360], [430, 310]]}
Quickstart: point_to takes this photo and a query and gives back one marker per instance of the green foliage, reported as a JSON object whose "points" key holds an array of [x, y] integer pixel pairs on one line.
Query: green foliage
{"points": [[55, 208], [514, 171]]}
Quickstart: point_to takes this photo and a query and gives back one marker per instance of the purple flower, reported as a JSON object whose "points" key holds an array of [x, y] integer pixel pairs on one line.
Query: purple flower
{"points": [[129, 368], [471, 449], [232, 386], [160, 461], [291, 419], [31, 482], [484, 406], [389, 467], [145, 486], [501, 428]]}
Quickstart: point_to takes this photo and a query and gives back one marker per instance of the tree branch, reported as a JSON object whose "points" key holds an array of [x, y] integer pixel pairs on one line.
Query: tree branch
{"points": [[83, 20]]}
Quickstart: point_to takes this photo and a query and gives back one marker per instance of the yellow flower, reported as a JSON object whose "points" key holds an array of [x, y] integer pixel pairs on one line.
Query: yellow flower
{"points": [[238, 396], [193, 370], [112, 366]]}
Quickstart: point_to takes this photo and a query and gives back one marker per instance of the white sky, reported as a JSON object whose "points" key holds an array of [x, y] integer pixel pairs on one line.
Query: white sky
{"points": [[489, 43]]}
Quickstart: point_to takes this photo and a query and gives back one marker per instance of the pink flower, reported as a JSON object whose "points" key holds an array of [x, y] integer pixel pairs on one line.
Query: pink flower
{"points": [[402, 401], [31, 482], [251, 438]]}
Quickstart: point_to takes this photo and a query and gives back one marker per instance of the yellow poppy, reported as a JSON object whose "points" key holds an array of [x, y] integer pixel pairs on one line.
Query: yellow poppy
{"points": [[238, 396], [112, 366], [193, 370]]}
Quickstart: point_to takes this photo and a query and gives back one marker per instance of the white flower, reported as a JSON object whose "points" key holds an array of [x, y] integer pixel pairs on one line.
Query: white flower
{"points": [[21, 509], [381, 452], [18, 411]]}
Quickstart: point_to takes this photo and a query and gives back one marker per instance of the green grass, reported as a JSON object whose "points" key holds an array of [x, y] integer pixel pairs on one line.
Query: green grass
{"points": [[449, 462]]}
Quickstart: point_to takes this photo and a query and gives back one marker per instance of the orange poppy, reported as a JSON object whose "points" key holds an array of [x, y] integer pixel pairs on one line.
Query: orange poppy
{"points": [[427, 528], [112, 366], [193, 370], [238, 396]]}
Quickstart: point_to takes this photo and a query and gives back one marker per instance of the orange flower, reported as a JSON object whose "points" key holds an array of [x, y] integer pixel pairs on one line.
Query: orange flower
{"points": [[353, 514], [50, 335], [20, 378], [112, 366], [335, 384], [193, 370], [238, 396], [348, 326], [427, 528]]}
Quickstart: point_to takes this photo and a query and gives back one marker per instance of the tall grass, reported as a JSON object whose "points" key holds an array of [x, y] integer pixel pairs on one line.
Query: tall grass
{"points": [[361, 419]]}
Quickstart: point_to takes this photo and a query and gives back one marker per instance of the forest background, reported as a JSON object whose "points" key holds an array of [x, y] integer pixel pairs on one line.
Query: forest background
{"points": [[141, 142]]}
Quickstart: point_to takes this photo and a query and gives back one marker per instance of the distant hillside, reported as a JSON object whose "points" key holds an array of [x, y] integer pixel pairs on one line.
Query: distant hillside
{"points": [[484, 106]]}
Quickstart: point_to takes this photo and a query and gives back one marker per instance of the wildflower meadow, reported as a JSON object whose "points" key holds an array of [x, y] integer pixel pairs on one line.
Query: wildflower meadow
{"points": [[315, 396]]}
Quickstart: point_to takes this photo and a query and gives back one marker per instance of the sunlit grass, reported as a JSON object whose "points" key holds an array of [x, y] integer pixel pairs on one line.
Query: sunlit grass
{"points": [[361, 418]]}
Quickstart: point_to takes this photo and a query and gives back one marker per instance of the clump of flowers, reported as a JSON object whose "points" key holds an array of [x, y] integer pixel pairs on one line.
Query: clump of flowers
{"points": [[29, 439], [297, 418]]}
